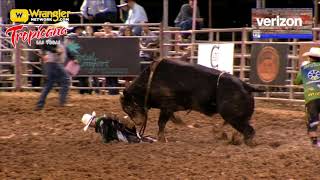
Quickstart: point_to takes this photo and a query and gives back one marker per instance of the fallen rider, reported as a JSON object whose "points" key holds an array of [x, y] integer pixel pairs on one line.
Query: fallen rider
{"points": [[111, 128]]}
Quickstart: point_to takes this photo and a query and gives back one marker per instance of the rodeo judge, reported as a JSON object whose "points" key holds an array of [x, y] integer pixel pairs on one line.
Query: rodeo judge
{"points": [[112, 128], [309, 76]]}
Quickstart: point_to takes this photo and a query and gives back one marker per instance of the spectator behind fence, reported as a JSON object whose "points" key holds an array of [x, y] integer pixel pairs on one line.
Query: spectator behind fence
{"points": [[79, 31], [83, 81], [106, 31], [89, 31], [99, 11], [148, 42], [184, 18], [95, 81], [136, 15], [126, 33]]}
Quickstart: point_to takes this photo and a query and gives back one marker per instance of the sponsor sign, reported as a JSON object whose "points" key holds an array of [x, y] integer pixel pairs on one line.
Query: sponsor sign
{"points": [[25, 34], [268, 64], [217, 56], [25, 15], [282, 23], [102, 56]]}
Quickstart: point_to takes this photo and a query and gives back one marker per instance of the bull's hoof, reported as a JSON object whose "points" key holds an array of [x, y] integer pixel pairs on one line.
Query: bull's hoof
{"points": [[235, 139], [177, 120], [250, 142], [223, 136], [163, 139]]}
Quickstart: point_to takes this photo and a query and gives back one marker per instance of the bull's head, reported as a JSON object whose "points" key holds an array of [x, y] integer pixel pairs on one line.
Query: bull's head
{"points": [[135, 110]]}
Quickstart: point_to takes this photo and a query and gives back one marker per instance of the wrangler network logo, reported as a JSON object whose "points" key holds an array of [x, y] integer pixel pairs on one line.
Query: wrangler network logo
{"points": [[24, 15], [19, 15]]}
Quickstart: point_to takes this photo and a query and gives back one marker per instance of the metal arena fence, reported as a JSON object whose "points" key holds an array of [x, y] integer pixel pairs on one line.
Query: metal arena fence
{"points": [[15, 65]]}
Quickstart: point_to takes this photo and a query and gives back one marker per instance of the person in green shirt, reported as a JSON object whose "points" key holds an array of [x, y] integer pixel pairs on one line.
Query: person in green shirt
{"points": [[309, 76]]}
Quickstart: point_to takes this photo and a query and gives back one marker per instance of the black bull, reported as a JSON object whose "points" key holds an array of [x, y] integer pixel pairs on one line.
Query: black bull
{"points": [[179, 86]]}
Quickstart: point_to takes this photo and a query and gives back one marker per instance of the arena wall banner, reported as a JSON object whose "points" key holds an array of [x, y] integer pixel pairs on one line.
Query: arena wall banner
{"points": [[268, 64], [217, 56], [282, 23], [108, 56]]}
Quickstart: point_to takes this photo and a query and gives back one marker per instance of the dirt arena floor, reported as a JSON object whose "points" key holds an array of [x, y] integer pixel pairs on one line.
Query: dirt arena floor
{"points": [[51, 144]]}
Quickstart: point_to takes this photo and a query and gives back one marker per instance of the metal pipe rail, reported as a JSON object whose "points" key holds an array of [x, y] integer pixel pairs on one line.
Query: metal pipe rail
{"points": [[87, 24]]}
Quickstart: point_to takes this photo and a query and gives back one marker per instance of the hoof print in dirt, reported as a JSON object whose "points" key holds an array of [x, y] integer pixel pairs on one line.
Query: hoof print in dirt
{"points": [[275, 144]]}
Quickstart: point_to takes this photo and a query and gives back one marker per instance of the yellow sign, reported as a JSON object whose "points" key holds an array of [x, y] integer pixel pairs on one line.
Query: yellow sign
{"points": [[19, 15], [24, 15]]}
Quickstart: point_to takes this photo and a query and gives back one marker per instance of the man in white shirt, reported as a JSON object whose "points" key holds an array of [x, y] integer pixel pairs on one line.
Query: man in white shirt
{"points": [[99, 11], [136, 15]]}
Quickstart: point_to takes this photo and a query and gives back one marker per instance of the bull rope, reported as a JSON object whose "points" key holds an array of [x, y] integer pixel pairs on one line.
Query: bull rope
{"points": [[219, 77], [153, 68]]}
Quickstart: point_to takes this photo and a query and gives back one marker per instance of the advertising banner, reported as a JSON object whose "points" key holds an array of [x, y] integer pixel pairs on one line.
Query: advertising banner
{"points": [[268, 64], [282, 23], [108, 56], [217, 56]]}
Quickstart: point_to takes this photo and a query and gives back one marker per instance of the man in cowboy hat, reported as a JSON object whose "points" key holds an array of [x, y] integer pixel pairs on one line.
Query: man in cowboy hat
{"points": [[309, 76], [112, 128]]}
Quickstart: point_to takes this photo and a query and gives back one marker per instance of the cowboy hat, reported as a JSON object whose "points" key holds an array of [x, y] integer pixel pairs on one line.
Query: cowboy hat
{"points": [[63, 24], [313, 52], [87, 119]]}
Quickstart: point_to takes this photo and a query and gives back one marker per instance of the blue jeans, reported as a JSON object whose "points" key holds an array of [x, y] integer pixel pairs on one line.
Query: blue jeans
{"points": [[55, 74], [187, 25]]}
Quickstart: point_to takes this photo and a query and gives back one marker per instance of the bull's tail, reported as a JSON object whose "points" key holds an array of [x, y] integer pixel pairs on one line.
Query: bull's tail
{"points": [[252, 88]]}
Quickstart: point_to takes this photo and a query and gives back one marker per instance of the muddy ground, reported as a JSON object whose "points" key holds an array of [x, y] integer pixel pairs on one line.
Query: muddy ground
{"points": [[51, 144]]}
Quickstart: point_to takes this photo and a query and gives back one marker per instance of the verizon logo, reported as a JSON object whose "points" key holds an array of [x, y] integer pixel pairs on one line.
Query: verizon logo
{"points": [[280, 22]]}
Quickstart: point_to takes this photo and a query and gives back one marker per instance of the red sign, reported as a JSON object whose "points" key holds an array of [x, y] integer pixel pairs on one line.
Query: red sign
{"points": [[21, 32]]}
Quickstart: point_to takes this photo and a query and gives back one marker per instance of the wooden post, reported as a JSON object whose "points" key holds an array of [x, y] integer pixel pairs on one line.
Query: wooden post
{"points": [[165, 13], [260, 3], [1, 30], [210, 14], [193, 35], [316, 11], [17, 61], [294, 67], [218, 36], [211, 34], [244, 38], [233, 36], [164, 25], [161, 41], [263, 4]]}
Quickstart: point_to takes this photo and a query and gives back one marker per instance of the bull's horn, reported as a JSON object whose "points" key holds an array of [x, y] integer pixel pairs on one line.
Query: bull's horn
{"points": [[94, 114]]}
